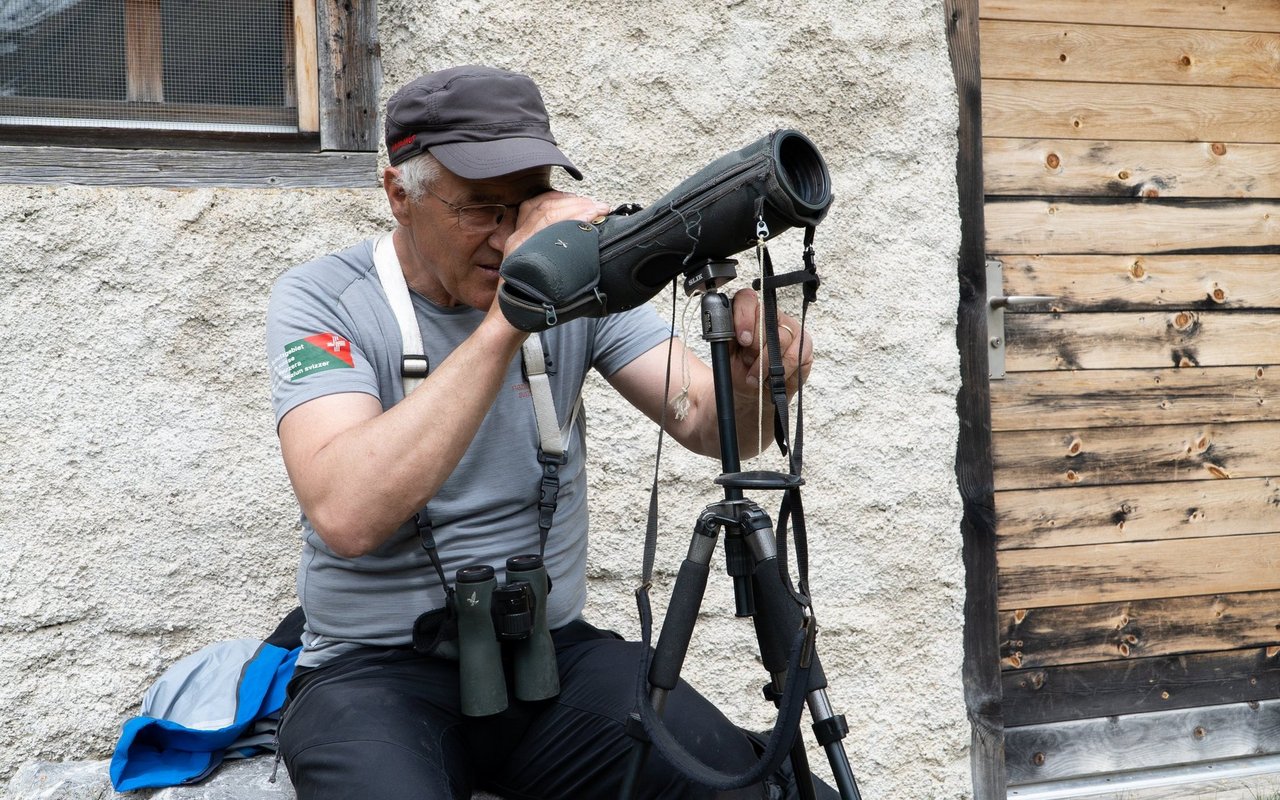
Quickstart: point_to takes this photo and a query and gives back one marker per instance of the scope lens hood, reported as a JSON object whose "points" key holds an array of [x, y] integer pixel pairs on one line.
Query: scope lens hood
{"points": [[803, 175]]}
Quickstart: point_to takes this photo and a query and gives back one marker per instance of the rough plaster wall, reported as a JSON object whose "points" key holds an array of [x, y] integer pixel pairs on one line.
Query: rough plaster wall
{"points": [[143, 508]]}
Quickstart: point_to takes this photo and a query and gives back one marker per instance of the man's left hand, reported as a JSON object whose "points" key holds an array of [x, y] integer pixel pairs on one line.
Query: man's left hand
{"points": [[748, 359]]}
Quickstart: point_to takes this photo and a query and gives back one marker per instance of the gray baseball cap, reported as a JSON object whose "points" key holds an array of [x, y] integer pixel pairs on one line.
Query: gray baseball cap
{"points": [[479, 122]]}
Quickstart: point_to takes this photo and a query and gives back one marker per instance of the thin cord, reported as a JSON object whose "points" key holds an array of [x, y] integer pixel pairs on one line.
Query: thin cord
{"points": [[681, 401]]}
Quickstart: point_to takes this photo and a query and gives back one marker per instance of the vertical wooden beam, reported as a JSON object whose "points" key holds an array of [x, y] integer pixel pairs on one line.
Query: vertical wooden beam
{"points": [[981, 670], [306, 72], [144, 51], [350, 74]]}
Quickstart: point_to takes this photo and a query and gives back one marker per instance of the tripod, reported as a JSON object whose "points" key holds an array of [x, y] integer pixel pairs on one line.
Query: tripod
{"points": [[784, 632]]}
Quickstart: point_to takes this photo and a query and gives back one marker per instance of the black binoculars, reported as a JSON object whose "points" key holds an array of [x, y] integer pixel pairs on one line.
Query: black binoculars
{"points": [[514, 613]]}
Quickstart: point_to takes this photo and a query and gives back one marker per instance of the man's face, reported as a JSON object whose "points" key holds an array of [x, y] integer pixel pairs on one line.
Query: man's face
{"points": [[442, 260]]}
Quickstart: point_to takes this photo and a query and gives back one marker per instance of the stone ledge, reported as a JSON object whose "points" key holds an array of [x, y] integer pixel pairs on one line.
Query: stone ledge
{"points": [[239, 779]]}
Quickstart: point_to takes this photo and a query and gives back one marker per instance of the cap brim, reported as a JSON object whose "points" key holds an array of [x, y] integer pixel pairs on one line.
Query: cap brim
{"points": [[481, 160]]}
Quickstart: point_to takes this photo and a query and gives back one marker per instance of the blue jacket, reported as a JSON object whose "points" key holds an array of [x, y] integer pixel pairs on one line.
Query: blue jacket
{"points": [[220, 702]]}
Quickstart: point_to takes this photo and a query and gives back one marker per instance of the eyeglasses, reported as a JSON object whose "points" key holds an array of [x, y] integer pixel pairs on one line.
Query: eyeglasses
{"points": [[482, 218]]}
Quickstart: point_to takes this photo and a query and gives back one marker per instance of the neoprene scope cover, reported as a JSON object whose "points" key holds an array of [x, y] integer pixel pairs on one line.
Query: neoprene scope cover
{"points": [[572, 269]]}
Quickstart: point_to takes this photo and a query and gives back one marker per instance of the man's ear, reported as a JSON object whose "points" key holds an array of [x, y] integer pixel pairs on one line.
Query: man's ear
{"points": [[396, 196]]}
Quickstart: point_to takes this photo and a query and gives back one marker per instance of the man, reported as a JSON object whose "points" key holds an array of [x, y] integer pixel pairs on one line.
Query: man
{"points": [[471, 155]]}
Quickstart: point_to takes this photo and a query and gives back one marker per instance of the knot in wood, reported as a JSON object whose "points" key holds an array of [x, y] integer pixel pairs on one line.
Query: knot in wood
{"points": [[1218, 148]]}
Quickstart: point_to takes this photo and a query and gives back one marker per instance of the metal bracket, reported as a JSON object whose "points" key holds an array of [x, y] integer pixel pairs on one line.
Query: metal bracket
{"points": [[996, 304]]}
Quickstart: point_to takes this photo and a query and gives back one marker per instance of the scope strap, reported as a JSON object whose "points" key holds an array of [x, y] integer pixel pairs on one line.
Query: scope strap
{"points": [[791, 509], [785, 728]]}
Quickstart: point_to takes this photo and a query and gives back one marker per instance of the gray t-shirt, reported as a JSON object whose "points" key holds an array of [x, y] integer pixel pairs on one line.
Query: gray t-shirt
{"points": [[330, 329]]}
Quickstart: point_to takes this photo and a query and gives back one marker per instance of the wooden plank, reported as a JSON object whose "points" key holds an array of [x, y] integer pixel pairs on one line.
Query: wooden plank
{"points": [[980, 668], [184, 168], [1135, 512], [350, 72], [306, 69], [1109, 573], [143, 51], [1117, 397], [1254, 777], [1140, 741], [1095, 167], [1142, 339], [1139, 686], [1095, 456], [1050, 227], [1237, 15], [1044, 637], [1058, 51], [1134, 282], [1141, 112]]}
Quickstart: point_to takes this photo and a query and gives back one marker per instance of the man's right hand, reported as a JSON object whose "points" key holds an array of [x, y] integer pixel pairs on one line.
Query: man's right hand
{"points": [[547, 208]]}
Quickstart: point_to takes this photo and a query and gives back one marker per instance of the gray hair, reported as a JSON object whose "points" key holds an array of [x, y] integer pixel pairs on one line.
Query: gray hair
{"points": [[418, 173]]}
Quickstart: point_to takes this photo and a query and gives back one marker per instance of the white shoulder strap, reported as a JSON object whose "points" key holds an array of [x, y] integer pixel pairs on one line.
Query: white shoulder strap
{"points": [[414, 363], [535, 369]]}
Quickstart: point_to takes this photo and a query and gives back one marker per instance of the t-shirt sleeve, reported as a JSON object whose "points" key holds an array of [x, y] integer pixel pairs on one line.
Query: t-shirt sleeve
{"points": [[313, 344], [623, 337]]}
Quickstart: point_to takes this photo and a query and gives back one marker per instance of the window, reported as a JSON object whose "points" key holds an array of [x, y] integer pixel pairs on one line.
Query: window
{"points": [[187, 92]]}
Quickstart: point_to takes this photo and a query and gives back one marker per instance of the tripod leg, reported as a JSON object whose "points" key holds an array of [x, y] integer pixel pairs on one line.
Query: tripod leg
{"points": [[778, 617], [830, 730], [677, 630]]}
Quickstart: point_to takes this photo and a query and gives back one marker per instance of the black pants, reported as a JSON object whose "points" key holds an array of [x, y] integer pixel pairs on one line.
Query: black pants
{"points": [[386, 724]]}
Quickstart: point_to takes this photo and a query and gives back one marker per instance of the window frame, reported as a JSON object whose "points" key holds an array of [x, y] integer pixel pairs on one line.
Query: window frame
{"points": [[338, 71]]}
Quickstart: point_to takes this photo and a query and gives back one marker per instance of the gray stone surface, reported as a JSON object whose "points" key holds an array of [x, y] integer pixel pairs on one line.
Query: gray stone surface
{"points": [[247, 779]]}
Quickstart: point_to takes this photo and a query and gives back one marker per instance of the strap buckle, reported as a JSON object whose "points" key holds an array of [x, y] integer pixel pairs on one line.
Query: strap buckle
{"points": [[549, 489], [414, 366]]}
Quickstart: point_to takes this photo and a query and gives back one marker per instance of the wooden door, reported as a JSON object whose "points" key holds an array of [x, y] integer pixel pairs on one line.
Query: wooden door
{"points": [[1131, 169]]}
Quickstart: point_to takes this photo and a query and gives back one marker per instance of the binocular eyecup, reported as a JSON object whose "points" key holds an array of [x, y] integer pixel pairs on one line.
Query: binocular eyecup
{"points": [[514, 614]]}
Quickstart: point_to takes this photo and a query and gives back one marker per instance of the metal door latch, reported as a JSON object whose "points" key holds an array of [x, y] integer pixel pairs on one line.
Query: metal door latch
{"points": [[996, 304]]}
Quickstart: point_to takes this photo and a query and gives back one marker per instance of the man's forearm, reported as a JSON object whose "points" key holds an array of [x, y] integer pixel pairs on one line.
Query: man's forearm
{"points": [[371, 478]]}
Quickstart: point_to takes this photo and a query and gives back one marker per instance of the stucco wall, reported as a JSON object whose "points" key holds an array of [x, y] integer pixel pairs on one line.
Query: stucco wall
{"points": [[144, 511]]}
